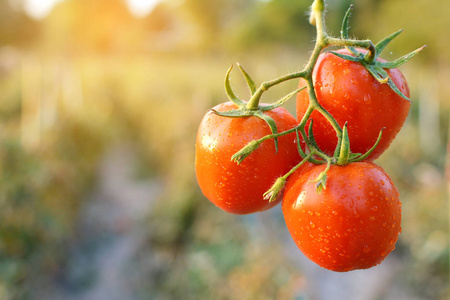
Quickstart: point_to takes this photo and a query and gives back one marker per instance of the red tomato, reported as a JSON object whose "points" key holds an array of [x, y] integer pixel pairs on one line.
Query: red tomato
{"points": [[352, 224], [350, 93], [239, 188]]}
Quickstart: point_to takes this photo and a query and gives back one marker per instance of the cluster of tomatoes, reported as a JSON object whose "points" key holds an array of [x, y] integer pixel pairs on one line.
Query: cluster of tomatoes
{"points": [[353, 220]]}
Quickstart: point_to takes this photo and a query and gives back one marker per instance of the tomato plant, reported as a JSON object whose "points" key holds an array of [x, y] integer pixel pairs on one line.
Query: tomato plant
{"points": [[351, 94], [239, 188], [352, 224], [342, 210]]}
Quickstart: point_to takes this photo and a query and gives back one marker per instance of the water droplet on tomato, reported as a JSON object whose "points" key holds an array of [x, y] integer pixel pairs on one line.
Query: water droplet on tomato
{"points": [[391, 241], [366, 249], [312, 225]]}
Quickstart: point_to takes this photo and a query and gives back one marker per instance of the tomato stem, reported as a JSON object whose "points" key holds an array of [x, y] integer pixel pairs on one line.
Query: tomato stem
{"points": [[273, 193], [342, 154], [253, 103]]}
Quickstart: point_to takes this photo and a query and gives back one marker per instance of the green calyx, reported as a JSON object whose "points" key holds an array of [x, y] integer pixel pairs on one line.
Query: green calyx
{"points": [[369, 60], [252, 108]]}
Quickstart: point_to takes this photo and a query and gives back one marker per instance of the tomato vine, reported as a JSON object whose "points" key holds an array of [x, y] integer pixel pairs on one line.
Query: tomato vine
{"points": [[342, 154], [329, 194]]}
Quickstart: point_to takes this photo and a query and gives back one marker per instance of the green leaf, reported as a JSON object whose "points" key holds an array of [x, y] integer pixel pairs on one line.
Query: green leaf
{"points": [[281, 101], [250, 83], [377, 73], [230, 92], [311, 138], [384, 42], [365, 155], [347, 57], [271, 123], [345, 27], [354, 155], [399, 61], [344, 154], [392, 84], [235, 113], [299, 147], [337, 150]]}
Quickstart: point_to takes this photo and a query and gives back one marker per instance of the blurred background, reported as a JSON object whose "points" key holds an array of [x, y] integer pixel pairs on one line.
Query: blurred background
{"points": [[99, 107]]}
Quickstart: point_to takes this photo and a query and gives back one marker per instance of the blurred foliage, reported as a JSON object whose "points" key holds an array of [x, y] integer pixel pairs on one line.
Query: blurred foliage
{"points": [[90, 76]]}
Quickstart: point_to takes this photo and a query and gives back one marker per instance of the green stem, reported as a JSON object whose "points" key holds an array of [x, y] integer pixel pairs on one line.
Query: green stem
{"points": [[366, 44], [306, 159], [253, 103]]}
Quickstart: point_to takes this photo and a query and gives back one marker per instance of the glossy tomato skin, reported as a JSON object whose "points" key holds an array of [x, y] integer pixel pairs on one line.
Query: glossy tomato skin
{"points": [[239, 188], [352, 224], [350, 93]]}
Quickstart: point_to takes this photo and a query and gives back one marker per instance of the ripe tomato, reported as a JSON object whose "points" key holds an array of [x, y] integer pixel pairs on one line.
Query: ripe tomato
{"points": [[239, 188], [352, 224], [350, 93]]}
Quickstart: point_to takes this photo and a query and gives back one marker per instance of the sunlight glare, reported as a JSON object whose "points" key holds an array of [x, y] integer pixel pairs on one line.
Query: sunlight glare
{"points": [[39, 9], [141, 8]]}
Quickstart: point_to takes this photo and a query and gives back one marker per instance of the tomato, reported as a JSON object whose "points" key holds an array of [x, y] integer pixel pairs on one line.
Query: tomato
{"points": [[350, 93], [239, 188], [352, 224]]}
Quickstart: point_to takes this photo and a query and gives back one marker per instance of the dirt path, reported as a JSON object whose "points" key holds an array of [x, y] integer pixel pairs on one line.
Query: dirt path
{"points": [[109, 233]]}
